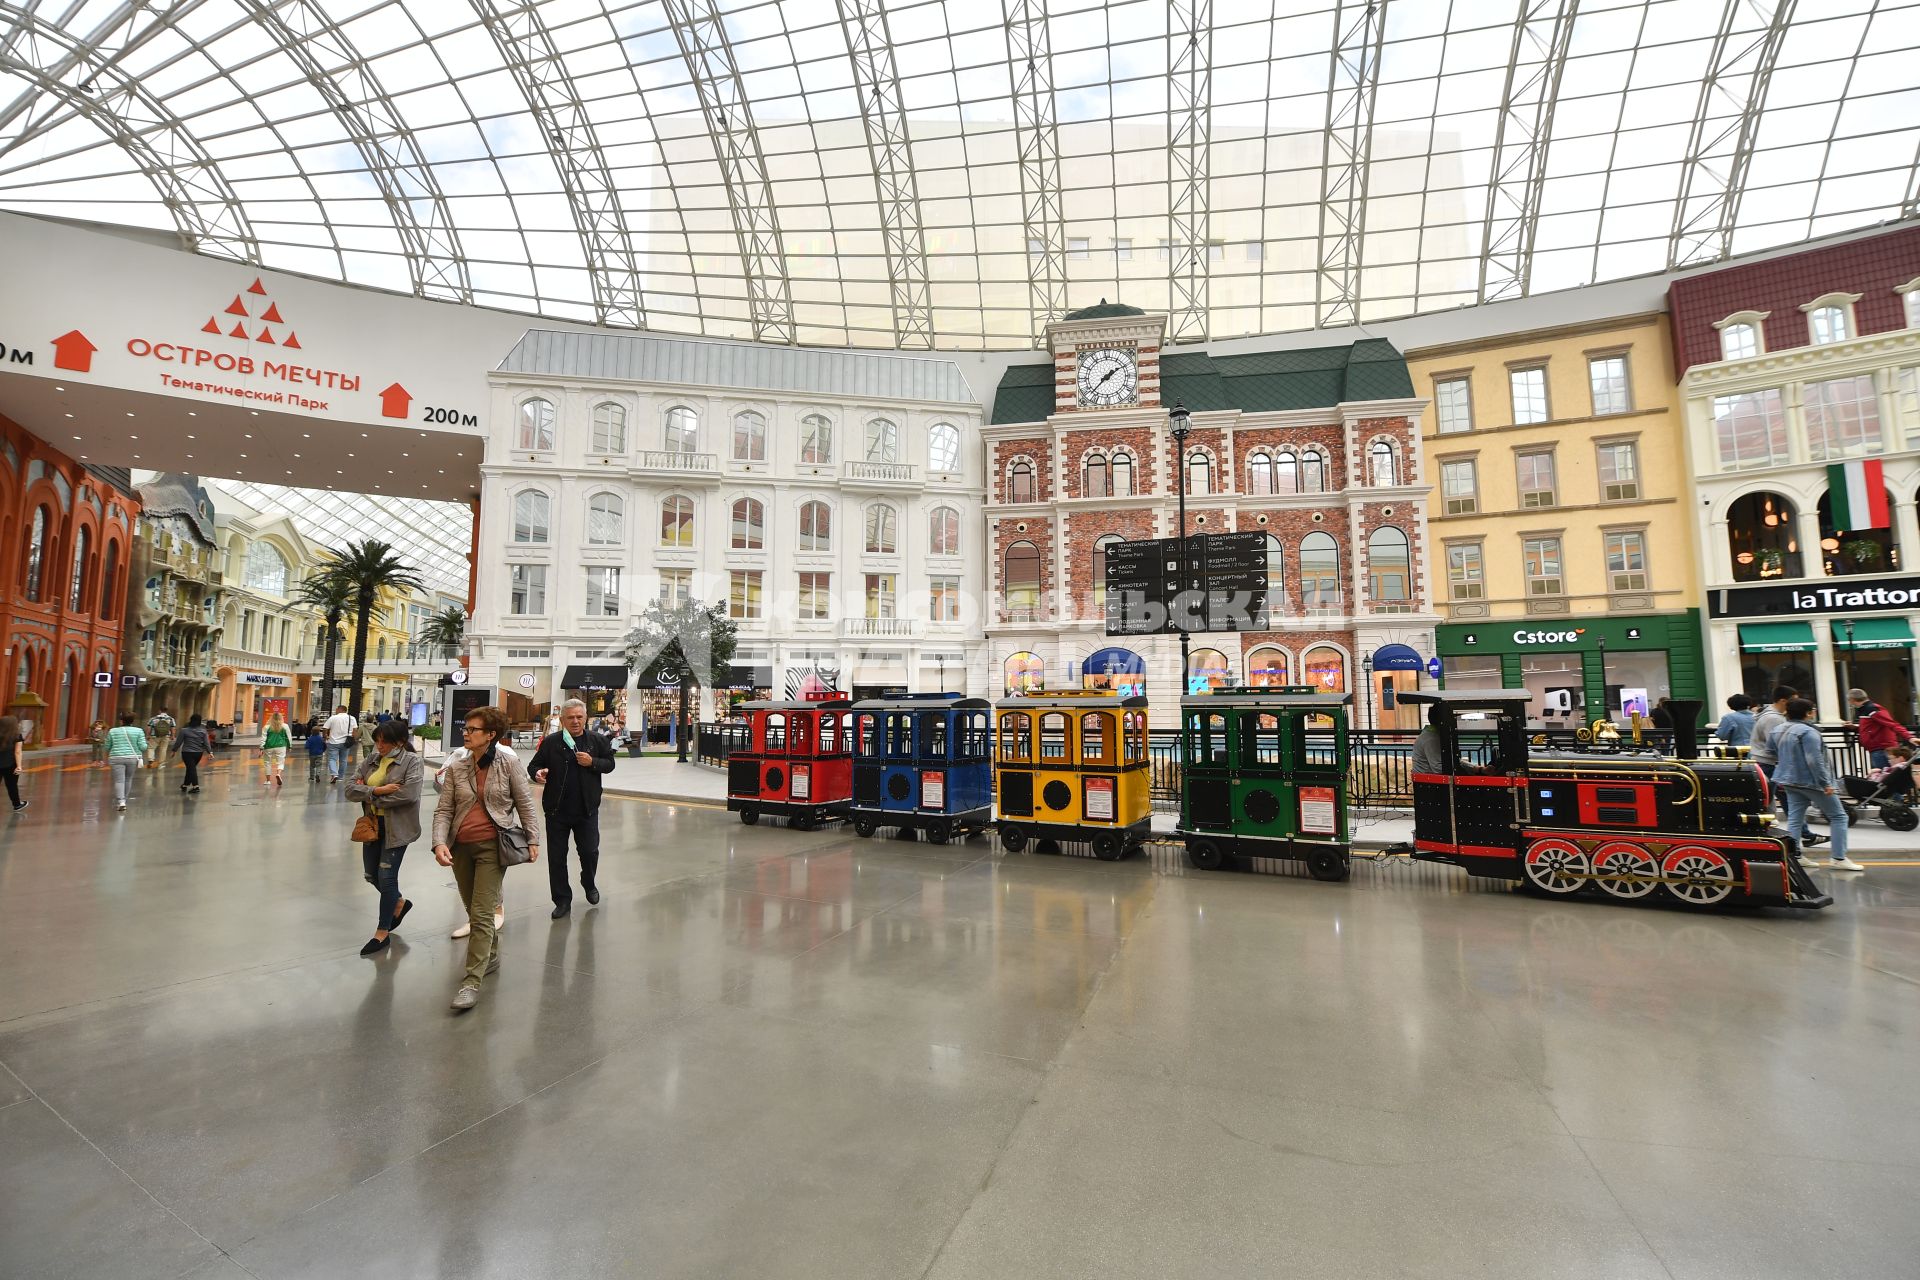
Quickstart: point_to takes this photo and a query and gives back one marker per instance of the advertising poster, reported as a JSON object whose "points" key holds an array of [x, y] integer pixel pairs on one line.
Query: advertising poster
{"points": [[270, 707]]}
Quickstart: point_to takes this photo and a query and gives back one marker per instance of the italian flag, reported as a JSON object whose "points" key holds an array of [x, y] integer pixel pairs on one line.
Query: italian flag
{"points": [[1859, 494]]}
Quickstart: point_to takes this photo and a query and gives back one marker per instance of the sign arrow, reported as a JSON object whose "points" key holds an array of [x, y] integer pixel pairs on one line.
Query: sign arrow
{"points": [[71, 350], [394, 401]]}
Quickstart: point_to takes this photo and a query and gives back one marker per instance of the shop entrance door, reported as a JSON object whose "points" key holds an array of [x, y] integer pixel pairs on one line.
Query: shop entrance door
{"points": [[1887, 676]]}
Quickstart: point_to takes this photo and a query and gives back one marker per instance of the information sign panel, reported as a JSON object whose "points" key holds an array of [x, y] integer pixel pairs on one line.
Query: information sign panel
{"points": [[1225, 588]]}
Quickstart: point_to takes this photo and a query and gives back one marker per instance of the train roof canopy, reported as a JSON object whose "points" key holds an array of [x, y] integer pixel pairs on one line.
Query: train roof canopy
{"points": [[1261, 698], [826, 704], [1468, 697], [923, 702], [1069, 700]]}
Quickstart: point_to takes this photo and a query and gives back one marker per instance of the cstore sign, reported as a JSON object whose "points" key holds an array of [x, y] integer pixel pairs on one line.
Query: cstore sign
{"points": [[1833, 595]]}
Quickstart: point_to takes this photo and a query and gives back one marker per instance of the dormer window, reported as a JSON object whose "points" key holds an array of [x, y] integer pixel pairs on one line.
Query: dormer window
{"points": [[1910, 302], [1830, 318], [1742, 335]]}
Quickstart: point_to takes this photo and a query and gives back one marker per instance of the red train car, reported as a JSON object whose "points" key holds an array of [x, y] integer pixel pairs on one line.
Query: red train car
{"points": [[798, 761]]}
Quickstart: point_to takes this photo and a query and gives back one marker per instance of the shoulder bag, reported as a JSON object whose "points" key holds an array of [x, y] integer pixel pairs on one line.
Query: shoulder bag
{"points": [[366, 828], [512, 843]]}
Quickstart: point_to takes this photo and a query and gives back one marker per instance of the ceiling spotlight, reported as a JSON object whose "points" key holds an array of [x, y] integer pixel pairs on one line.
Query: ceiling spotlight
{"points": [[254, 412], [76, 437], [192, 414], [306, 435], [248, 434], [69, 415], [129, 413], [59, 388], [133, 437], [191, 436], [363, 435]]}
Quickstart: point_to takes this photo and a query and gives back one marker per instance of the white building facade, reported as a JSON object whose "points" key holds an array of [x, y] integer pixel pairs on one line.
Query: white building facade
{"points": [[831, 501]]}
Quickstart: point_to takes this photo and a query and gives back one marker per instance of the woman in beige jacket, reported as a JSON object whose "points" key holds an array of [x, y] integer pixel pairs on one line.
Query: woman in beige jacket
{"points": [[484, 793]]}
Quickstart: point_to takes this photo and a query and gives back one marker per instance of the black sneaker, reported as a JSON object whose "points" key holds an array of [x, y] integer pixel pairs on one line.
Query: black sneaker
{"points": [[17, 808], [1811, 839]]}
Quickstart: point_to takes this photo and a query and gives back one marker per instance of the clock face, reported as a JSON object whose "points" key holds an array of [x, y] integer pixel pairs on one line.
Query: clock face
{"points": [[1108, 376]]}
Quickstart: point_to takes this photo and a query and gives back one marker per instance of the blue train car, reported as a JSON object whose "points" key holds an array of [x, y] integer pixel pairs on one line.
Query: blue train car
{"points": [[922, 762]]}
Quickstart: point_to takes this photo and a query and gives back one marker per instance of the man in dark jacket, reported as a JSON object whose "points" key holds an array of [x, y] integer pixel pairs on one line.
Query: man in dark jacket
{"points": [[569, 764]]}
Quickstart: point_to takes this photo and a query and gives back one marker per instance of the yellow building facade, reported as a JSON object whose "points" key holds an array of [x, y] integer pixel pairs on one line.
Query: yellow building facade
{"points": [[1558, 526]]}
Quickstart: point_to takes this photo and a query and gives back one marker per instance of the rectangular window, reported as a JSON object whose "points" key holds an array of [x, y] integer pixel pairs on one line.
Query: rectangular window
{"points": [[1123, 250], [816, 596], [246, 628], [1216, 251], [1535, 472], [1607, 375], [1619, 471], [1466, 575], [1256, 251], [743, 594], [1453, 405], [1529, 394], [1627, 561], [1460, 486], [879, 595], [1079, 247], [943, 599], [603, 593], [1906, 387], [1751, 429], [1544, 576], [676, 587], [1843, 418], [1165, 251], [529, 590]]}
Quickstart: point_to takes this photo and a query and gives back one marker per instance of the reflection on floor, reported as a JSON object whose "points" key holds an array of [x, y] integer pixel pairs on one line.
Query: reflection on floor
{"points": [[769, 1053]]}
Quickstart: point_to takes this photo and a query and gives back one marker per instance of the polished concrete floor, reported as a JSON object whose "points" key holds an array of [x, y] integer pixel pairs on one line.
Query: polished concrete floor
{"points": [[769, 1053]]}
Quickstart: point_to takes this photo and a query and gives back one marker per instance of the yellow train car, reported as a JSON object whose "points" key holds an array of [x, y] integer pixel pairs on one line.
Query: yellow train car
{"points": [[1072, 765]]}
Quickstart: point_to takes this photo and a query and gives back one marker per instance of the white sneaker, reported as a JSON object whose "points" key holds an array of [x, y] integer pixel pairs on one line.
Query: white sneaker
{"points": [[1809, 863], [466, 927], [121, 807], [1844, 864]]}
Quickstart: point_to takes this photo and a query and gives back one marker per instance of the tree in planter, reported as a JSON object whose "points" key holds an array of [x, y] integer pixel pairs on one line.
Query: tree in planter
{"points": [[330, 596], [367, 567], [688, 644], [445, 630]]}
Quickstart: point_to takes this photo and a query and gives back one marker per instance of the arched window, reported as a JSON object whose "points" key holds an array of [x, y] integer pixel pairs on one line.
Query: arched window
{"points": [[749, 437], [816, 440], [1383, 465], [1099, 570], [1095, 482], [749, 525], [1022, 581], [536, 425], [816, 526], [1199, 473], [33, 561], [1020, 482], [943, 532], [1208, 669], [606, 518], [880, 529], [1738, 341], [1828, 324], [532, 516], [1260, 477], [943, 447], [1267, 667], [1313, 471], [76, 592], [609, 428], [1324, 667], [1763, 538], [110, 583], [1120, 473], [1389, 567], [676, 522], [266, 569], [1286, 473], [1319, 571], [1846, 551], [883, 441], [683, 430], [1025, 673]]}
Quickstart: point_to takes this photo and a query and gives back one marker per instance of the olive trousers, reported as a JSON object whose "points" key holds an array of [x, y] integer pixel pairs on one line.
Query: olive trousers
{"points": [[477, 870]]}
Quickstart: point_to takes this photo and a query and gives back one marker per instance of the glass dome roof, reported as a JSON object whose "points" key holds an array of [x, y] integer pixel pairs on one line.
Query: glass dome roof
{"points": [[950, 173]]}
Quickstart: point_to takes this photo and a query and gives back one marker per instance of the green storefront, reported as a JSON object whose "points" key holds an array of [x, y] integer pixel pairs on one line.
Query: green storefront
{"points": [[1578, 669]]}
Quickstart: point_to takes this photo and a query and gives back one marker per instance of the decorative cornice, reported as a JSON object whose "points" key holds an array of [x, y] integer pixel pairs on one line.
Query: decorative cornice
{"points": [[1856, 355]]}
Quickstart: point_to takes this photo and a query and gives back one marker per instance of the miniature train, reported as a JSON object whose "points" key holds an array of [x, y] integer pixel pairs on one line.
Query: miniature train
{"points": [[1263, 773]]}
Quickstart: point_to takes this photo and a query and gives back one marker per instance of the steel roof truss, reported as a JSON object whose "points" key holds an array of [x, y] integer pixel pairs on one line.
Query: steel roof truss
{"points": [[1542, 32], [889, 145], [1037, 133], [1189, 142], [1352, 87]]}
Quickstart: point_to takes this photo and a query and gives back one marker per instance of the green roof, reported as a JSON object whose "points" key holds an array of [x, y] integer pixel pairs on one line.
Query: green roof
{"points": [[1258, 381], [1103, 310]]}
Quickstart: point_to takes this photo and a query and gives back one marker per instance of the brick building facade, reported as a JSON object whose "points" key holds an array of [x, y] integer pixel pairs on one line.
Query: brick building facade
{"points": [[1318, 448]]}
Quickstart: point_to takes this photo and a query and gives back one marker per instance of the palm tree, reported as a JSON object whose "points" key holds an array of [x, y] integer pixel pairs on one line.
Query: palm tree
{"points": [[445, 629], [368, 567], [330, 596]]}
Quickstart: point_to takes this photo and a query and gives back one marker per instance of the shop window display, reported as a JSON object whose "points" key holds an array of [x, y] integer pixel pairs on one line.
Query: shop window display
{"points": [[1845, 552], [1763, 538], [1472, 672], [1325, 668], [1635, 681]]}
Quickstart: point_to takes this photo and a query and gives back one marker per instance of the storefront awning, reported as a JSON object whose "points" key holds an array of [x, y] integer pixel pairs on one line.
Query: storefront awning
{"points": [[594, 677], [1873, 633], [1776, 637], [1397, 657]]}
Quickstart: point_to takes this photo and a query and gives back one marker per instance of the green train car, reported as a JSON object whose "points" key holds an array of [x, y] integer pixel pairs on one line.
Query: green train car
{"points": [[1264, 775]]}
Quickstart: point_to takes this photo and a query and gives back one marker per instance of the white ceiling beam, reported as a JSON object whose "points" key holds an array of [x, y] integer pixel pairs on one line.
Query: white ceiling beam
{"points": [[1542, 33]]}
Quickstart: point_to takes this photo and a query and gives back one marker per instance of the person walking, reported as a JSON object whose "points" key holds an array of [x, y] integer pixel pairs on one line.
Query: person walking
{"points": [[339, 743], [1767, 723], [362, 741], [387, 784], [160, 731], [12, 745], [1736, 727], [194, 745], [458, 754], [568, 764], [487, 793], [127, 749], [273, 749], [1800, 770], [97, 738], [1877, 728]]}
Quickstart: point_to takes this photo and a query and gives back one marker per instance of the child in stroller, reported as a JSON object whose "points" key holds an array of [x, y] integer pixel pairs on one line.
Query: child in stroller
{"points": [[1888, 792]]}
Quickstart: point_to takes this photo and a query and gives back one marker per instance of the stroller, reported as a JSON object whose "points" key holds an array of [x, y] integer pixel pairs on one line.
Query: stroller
{"points": [[1892, 797]]}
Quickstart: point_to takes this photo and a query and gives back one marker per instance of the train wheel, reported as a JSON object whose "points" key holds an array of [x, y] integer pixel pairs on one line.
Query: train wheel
{"points": [[1698, 876], [939, 833], [1206, 855], [865, 827], [1557, 866], [1626, 870], [1012, 838], [801, 822], [1327, 865], [749, 816], [1110, 846]]}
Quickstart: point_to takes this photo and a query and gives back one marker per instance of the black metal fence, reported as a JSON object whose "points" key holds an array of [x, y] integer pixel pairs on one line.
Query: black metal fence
{"points": [[1379, 772]]}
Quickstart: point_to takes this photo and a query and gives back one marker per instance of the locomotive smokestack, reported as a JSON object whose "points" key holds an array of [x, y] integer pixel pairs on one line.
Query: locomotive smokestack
{"points": [[1686, 727]]}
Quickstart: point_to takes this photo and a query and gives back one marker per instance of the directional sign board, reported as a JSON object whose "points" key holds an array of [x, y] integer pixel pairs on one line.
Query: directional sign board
{"points": [[1224, 589]]}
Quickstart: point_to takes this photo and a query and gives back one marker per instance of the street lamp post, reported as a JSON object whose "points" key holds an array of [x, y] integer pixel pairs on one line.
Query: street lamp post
{"points": [[1366, 678], [942, 660], [1180, 422]]}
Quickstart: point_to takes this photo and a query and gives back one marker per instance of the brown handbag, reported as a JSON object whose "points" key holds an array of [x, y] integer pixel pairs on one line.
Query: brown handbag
{"points": [[366, 828]]}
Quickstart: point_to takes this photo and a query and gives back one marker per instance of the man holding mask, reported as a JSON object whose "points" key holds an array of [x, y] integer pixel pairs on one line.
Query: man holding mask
{"points": [[569, 763]]}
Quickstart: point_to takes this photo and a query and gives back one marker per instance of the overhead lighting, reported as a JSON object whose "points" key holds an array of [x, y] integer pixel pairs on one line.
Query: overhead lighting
{"points": [[59, 388], [69, 415], [76, 437], [191, 436], [129, 413], [192, 414]]}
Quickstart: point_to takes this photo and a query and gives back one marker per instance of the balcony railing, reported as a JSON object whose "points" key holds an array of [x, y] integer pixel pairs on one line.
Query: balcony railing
{"points": [[885, 472], [413, 655], [673, 462], [884, 628]]}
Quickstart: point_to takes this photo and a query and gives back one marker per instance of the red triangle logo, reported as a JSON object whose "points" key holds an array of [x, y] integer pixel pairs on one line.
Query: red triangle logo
{"points": [[236, 307], [266, 335], [293, 341], [273, 313], [238, 331], [255, 287], [211, 326]]}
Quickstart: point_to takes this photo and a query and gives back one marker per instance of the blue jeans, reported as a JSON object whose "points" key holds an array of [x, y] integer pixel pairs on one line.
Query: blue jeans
{"points": [[383, 873], [1800, 799], [1878, 758], [337, 757]]}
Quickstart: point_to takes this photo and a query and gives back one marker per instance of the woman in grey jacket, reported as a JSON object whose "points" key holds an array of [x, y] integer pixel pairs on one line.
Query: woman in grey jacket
{"points": [[194, 745], [485, 793], [388, 784], [1801, 771]]}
